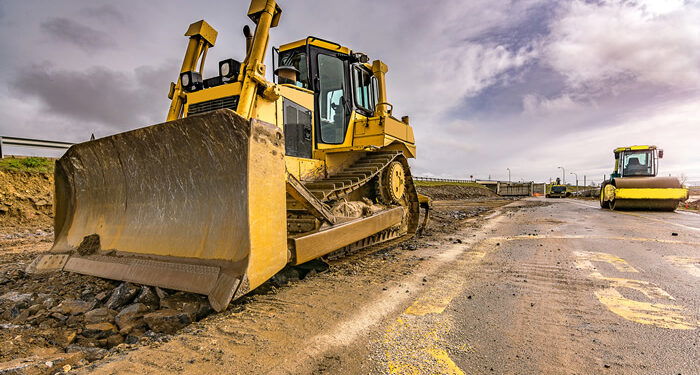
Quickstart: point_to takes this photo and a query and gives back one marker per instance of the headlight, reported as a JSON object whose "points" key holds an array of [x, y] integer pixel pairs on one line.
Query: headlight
{"points": [[229, 68], [191, 81]]}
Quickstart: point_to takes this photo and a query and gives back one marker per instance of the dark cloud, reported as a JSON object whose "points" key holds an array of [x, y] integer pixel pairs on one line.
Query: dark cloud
{"points": [[69, 31], [99, 95], [105, 12]]}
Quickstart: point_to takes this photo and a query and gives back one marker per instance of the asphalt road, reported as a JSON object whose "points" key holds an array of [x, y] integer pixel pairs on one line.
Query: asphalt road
{"points": [[561, 288]]}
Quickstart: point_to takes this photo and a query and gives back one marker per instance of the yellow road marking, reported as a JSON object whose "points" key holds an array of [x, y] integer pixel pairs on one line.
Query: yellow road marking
{"points": [[410, 349], [586, 257], [657, 314], [688, 264], [648, 289], [446, 363]]}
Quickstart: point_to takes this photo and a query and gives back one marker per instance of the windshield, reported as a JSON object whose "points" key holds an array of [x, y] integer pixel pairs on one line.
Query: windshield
{"points": [[558, 189], [637, 163], [296, 58]]}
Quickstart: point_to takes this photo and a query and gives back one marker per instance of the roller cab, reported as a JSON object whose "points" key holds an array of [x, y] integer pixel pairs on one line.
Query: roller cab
{"points": [[634, 183]]}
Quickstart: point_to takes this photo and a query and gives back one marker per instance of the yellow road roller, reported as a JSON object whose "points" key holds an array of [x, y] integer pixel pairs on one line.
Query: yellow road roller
{"points": [[634, 184], [246, 176]]}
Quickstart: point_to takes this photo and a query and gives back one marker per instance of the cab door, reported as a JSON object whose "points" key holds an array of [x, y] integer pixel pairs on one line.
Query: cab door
{"points": [[332, 97]]}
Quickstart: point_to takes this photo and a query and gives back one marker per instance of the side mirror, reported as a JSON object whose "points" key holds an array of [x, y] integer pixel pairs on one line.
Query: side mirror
{"points": [[661, 154]]}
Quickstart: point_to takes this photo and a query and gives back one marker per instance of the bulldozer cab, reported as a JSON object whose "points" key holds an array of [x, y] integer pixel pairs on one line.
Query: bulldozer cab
{"points": [[636, 161], [341, 82]]}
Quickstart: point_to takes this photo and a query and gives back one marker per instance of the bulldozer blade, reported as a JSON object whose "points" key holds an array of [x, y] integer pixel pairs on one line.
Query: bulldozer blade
{"points": [[196, 204]]}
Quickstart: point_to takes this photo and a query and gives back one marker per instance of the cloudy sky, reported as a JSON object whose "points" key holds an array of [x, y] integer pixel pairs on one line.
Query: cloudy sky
{"points": [[528, 85]]}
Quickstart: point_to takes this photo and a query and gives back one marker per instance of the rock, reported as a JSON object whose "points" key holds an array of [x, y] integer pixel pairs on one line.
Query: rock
{"points": [[99, 330], [131, 317], [33, 309], [59, 316], [21, 318], [40, 364], [194, 305], [74, 321], [148, 297], [49, 303], [91, 354], [73, 307], [65, 337], [167, 321], [161, 293], [114, 340], [16, 297], [100, 315], [122, 295], [102, 296]]}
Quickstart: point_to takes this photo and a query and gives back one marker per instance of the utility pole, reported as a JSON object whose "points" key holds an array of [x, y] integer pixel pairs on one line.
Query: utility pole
{"points": [[563, 175], [508, 175], [584, 180], [575, 175]]}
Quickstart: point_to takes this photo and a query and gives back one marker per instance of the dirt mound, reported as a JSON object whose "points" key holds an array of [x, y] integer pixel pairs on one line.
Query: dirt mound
{"points": [[450, 192], [26, 200]]}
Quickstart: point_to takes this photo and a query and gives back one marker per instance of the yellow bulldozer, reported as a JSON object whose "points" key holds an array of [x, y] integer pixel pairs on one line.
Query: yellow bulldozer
{"points": [[246, 176], [634, 184]]}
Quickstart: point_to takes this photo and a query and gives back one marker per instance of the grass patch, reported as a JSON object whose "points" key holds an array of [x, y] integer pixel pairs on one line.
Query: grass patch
{"points": [[30, 164], [442, 183]]}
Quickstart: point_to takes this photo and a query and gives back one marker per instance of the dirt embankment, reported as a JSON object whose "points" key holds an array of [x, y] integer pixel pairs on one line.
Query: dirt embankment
{"points": [[26, 201], [451, 192]]}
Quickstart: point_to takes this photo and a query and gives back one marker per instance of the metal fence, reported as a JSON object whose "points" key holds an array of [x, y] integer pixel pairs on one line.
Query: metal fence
{"points": [[441, 179], [27, 142]]}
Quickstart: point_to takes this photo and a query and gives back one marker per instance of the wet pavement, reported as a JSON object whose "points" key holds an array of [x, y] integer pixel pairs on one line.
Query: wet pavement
{"points": [[561, 288]]}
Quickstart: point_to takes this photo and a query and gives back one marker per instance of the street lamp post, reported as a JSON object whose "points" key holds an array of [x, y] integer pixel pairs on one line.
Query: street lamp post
{"points": [[563, 175], [508, 175], [575, 175]]}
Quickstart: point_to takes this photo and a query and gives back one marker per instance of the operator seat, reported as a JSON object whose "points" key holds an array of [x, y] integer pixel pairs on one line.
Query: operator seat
{"points": [[634, 167]]}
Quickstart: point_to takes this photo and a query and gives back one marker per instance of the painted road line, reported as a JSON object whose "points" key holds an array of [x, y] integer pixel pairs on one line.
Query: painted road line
{"points": [[662, 315], [414, 342], [688, 264], [585, 259], [656, 314], [650, 290]]}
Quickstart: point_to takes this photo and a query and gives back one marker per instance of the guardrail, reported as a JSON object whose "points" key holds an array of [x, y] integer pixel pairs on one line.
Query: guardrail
{"points": [[28, 142], [441, 179]]}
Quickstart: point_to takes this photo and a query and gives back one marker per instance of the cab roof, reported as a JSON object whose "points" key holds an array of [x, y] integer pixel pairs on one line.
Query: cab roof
{"points": [[318, 42], [634, 148]]}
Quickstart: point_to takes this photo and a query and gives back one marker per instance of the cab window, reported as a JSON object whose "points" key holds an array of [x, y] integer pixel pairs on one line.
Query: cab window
{"points": [[331, 99], [365, 94], [296, 58], [637, 163]]}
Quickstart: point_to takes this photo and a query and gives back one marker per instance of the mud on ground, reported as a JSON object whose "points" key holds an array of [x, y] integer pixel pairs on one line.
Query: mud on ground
{"points": [[70, 321]]}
